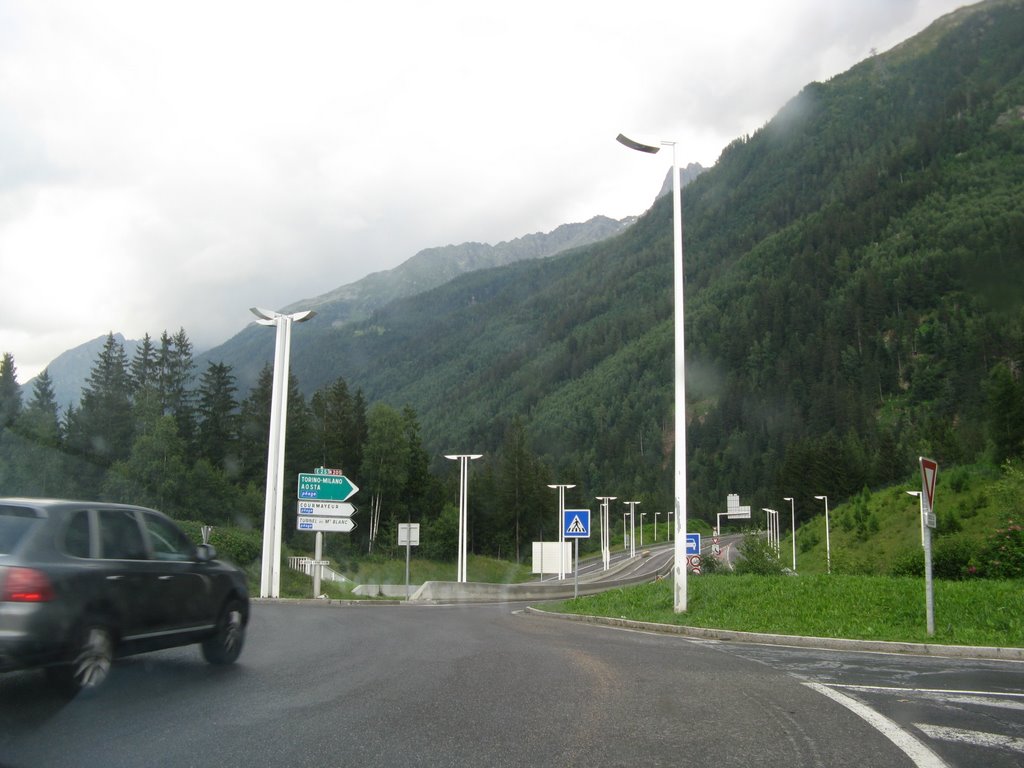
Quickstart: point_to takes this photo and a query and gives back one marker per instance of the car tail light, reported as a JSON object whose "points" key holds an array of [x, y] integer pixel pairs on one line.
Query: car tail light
{"points": [[25, 585]]}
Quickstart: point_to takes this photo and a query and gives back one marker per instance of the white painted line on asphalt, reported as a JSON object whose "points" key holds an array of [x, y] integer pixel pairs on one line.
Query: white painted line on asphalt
{"points": [[916, 750], [974, 738], [1000, 699]]}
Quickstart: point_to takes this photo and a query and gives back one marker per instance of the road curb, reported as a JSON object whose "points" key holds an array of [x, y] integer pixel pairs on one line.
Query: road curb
{"points": [[827, 643]]}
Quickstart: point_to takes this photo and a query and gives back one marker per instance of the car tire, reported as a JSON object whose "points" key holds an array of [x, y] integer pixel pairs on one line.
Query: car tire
{"points": [[90, 663], [225, 645]]}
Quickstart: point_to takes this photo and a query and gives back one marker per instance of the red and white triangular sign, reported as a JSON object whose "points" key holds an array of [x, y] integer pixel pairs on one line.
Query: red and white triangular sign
{"points": [[929, 470]]}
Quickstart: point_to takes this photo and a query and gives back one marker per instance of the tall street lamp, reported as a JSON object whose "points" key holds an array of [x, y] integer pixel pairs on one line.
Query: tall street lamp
{"points": [[270, 569], [792, 511], [632, 526], [679, 559], [606, 551], [828, 545], [463, 459], [773, 528], [561, 527]]}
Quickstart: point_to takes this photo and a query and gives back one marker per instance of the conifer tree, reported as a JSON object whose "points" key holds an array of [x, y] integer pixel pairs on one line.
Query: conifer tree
{"points": [[10, 392], [102, 428], [218, 416]]}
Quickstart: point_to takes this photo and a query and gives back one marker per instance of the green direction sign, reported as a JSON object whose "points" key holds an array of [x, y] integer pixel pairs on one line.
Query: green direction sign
{"points": [[326, 487]]}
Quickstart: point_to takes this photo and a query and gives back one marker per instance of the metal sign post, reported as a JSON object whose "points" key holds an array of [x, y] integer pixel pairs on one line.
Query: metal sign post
{"points": [[576, 525], [408, 534], [318, 556], [929, 471]]}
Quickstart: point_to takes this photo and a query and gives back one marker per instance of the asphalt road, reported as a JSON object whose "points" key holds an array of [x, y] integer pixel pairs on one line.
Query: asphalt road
{"points": [[486, 685]]}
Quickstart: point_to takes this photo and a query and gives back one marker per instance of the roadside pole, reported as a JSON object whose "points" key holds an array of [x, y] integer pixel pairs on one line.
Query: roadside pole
{"points": [[576, 572], [318, 556], [575, 524], [408, 555], [409, 535], [929, 472]]}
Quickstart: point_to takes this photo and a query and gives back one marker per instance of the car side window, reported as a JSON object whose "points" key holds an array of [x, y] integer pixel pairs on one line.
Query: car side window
{"points": [[76, 535], [120, 535], [166, 540]]}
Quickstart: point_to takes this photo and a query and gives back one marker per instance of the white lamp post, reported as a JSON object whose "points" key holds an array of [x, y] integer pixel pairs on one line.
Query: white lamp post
{"points": [[561, 525], [828, 545], [463, 459], [679, 559], [606, 548], [773, 528], [270, 569], [656, 525], [632, 526], [792, 510]]}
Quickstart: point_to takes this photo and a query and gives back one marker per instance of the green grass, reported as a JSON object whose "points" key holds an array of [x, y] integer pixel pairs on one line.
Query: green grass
{"points": [[379, 570], [989, 613]]}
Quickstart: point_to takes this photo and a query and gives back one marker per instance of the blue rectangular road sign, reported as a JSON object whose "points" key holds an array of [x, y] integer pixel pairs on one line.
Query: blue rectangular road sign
{"points": [[693, 544], [576, 523]]}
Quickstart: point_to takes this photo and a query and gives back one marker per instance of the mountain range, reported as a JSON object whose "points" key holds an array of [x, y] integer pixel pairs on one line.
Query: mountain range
{"points": [[853, 280]]}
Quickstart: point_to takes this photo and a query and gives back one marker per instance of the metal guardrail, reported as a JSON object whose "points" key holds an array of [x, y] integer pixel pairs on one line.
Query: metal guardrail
{"points": [[306, 566]]}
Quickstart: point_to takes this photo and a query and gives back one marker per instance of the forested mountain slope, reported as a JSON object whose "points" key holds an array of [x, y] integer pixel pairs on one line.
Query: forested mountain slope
{"points": [[252, 348], [854, 282]]}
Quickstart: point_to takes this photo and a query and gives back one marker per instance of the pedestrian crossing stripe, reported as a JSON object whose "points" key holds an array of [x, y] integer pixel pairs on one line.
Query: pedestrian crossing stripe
{"points": [[576, 526]]}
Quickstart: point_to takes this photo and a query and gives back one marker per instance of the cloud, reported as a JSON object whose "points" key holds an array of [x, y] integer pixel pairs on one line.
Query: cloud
{"points": [[167, 165]]}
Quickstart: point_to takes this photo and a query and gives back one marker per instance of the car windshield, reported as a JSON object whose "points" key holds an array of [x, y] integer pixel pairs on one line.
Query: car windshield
{"points": [[14, 522]]}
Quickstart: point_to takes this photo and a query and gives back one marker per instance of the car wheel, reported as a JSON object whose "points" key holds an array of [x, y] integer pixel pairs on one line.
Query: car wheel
{"points": [[90, 665], [225, 645]]}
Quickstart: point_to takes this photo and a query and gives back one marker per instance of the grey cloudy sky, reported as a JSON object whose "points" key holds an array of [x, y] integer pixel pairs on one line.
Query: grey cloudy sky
{"points": [[170, 164]]}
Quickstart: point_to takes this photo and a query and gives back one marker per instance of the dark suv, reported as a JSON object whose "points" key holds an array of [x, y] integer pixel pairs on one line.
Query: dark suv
{"points": [[82, 582]]}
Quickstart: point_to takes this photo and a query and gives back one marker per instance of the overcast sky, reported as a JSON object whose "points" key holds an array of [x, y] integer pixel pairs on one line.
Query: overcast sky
{"points": [[170, 164]]}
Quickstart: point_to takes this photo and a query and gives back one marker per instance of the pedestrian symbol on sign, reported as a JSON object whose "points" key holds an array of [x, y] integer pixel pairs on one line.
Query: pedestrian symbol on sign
{"points": [[576, 523]]}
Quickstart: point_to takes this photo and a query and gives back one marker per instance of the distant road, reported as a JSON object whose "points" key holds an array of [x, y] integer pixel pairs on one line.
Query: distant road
{"points": [[483, 685]]}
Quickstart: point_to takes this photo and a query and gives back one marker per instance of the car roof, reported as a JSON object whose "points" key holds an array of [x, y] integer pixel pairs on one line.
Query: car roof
{"points": [[43, 504]]}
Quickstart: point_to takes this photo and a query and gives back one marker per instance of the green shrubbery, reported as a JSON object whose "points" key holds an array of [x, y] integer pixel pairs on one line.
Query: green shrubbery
{"points": [[759, 557], [239, 546]]}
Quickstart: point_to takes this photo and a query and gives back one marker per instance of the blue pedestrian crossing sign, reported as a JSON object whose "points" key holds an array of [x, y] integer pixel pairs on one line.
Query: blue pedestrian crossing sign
{"points": [[576, 523], [693, 544]]}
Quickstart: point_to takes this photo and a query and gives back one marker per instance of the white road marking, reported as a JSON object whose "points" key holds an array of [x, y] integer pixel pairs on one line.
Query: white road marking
{"points": [[916, 750], [974, 738], [998, 699]]}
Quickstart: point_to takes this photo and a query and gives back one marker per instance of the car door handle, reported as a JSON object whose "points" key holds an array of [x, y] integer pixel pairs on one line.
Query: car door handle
{"points": [[114, 578], [166, 578]]}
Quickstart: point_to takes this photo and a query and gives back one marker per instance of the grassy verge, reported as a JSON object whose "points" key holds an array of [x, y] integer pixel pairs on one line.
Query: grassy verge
{"points": [[979, 612]]}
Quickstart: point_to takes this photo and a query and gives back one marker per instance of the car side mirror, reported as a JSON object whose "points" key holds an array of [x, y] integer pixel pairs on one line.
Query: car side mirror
{"points": [[205, 553]]}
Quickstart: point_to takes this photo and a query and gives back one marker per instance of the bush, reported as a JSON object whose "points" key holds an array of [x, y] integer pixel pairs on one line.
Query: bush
{"points": [[951, 559], [239, 546], [1003, 555], [909, 562], [759, 557]]}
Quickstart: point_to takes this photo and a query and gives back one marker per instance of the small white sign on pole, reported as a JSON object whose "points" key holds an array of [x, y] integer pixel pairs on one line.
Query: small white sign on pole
{"points": [[546, 559], [409, 534]]}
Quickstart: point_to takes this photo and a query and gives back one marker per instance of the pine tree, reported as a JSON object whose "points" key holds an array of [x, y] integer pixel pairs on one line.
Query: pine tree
{"points": [[385, 463], [218, 417], [10, 392], [102, 428], [176, 374]]}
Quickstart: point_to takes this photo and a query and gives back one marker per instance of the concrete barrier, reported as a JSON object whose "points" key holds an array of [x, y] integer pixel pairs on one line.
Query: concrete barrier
{"points": [[454, 592], [384, 590]]}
